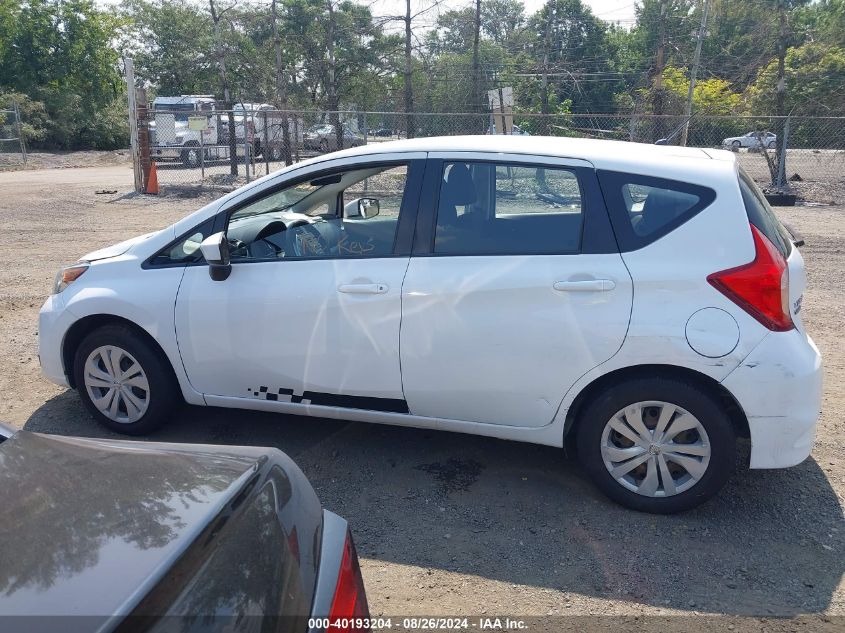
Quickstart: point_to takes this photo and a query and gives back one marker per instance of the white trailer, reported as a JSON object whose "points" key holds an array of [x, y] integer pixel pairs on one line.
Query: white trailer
{"points": [[172, 136]]}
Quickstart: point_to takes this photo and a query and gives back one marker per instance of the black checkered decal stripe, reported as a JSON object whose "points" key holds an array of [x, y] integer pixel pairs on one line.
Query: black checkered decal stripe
{"points": [[279, 395], [392, 405]]}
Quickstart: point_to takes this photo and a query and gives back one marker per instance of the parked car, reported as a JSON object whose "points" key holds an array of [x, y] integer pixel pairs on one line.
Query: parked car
{"points": [[323, 138], [640, 304], [515, 130], [111, 530], [383, 131], [754, 140]]}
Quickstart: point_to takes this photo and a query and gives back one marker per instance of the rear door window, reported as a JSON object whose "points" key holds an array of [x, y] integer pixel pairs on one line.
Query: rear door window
{"points": [[760, 214], [508, 209], [644, 209]]}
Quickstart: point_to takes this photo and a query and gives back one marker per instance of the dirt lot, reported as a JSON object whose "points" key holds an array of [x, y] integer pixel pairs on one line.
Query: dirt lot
{"points": [[458, 525]]}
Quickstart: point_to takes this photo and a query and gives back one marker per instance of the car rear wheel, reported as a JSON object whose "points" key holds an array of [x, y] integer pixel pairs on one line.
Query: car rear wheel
{"points": [[324, 146], [771, 145], [657, 445], [126, 385]]}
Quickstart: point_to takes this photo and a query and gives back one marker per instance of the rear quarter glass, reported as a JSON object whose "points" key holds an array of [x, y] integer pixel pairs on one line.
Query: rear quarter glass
{"points": [[760, 214], [645, 208]]}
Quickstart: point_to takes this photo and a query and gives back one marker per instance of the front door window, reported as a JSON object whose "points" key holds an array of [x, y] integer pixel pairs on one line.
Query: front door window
{"points": [[345, 214]]}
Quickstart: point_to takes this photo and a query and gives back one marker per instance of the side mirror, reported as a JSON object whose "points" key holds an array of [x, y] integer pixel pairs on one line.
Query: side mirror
{"points": [[368, 208], [361, 208], [215, 250]]}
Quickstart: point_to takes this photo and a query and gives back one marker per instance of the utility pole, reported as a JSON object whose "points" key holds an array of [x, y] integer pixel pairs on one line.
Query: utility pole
{"points": [[281, 90], [659, 65], [780, 93], [782, 42], [331, 88], [702, 29], [410, 123], [476, 64], [227, 99], [544, 92]]}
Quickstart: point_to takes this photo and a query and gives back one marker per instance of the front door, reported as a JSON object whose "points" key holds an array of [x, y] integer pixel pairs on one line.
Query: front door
{"points": [[311, 311], [518, 293]]}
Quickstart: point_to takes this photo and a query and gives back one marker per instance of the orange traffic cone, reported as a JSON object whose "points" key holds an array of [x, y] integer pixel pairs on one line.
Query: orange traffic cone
{"points": [[152, 181]]}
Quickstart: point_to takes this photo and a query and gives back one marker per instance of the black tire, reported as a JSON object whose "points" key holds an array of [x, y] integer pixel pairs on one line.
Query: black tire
{"points": [[324, 146], [163, 393], [276, 153], [697, 401], [771, 145], [736, 144], [191, 156]]}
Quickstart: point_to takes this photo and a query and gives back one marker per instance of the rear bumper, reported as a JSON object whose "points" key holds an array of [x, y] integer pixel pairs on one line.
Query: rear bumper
{"points": [[779, 387]]}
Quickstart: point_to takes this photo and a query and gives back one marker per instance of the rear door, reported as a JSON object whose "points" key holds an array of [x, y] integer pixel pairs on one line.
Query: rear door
{"points": [[514, 290]]}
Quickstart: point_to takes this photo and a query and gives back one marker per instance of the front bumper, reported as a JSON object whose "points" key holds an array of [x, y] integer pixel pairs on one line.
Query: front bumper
{"points": [[53, 323], [779, 387]]}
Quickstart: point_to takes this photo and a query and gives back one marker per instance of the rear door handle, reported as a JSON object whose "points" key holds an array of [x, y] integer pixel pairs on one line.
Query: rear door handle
{"points": [[586, 285], [363, 289]]}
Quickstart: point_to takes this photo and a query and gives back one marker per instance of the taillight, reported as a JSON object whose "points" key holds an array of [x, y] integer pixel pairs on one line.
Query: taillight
{"points": [[760, 287], [349, 610]]}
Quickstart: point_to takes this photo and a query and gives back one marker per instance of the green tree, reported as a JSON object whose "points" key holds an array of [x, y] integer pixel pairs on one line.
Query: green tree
{"points": [[60, 54], [171, 44], [573, 53], [815, 82]]}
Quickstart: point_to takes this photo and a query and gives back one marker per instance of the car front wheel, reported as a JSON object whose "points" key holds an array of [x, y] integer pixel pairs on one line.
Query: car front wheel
{"points": [[736, 144], [657, 445], [126, 385]]}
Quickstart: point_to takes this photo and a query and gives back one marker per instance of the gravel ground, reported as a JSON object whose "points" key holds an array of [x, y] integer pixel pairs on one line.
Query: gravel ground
{"points": [[61, 160], [448, 524]]}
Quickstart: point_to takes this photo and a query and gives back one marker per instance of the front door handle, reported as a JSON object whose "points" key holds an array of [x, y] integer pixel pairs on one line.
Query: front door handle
{"points": [[586, 285], [363, 289]]}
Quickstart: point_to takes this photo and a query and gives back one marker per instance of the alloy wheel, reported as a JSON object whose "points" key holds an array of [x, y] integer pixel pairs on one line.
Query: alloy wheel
{"points": [[117, 384], [655, 448]]}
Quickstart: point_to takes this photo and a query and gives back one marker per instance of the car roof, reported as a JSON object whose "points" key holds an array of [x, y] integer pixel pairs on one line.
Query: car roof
{"points": [[698, 165], [89, 526], [603, 154]]}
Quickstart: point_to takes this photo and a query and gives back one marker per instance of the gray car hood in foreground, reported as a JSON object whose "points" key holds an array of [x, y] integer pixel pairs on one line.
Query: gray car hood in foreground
{"points": [[89, 526]]}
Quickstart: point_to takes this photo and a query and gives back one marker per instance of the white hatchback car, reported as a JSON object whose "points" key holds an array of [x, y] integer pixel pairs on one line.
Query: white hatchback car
{"points": [[638, 303]]}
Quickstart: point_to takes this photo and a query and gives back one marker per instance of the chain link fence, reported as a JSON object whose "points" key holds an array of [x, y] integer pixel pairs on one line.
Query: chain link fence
{"points": [[12, 146], [211, 148]]}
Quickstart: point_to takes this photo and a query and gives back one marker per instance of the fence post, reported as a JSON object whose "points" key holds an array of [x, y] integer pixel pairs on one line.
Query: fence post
{"points": [[19, 128], [784, 143], [144, 157], [202, 155], [266, 144], [366, 129], [133, 124], [246, 160]]}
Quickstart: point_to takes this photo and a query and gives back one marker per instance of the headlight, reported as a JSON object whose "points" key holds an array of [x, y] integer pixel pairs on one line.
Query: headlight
{"points": [[67, 275]]}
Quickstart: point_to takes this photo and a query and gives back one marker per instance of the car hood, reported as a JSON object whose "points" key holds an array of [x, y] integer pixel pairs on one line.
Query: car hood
{"points": [[115, 249], [90, 526]]}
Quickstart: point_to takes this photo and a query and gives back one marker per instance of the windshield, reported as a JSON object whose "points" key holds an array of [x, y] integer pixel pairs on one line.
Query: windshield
{"points": [[278, 201]]}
